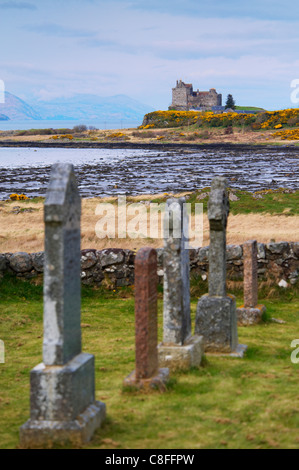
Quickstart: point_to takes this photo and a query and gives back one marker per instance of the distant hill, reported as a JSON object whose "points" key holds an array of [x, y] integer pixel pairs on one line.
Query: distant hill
{"points": [[87, 106], [16, 109], [79, 107]]}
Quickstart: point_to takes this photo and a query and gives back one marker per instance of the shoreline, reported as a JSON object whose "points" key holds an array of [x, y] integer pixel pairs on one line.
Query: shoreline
{"points": [[149, 146]]}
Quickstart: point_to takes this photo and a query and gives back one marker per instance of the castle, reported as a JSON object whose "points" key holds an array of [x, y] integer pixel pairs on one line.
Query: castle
{"points": [[184, 98]]}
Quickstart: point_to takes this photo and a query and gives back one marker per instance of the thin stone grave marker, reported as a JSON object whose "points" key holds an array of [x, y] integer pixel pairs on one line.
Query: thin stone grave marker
{"points": [[146, 374], [251, 313], [63, 406], [179, 349]]}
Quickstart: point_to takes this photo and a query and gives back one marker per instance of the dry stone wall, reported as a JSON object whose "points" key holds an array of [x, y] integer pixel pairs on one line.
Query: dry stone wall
{"points": [[114, 267]]}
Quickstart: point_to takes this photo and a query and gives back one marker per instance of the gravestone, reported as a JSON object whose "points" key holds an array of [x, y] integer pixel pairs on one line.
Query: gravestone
{"points": [[63, 407], [179, 349], [147, 374], [216, 317], [251, 313], [2, 352]]}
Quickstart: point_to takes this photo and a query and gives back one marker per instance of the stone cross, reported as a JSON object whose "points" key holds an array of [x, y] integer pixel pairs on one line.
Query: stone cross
{"points": [[63, 407], [216, 317], [146, 374], [218, 210], [250, 273], [176, 293]]}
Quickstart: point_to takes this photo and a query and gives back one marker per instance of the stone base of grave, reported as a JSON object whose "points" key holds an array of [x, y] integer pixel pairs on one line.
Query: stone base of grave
{"points": [[181, 357], [157, 382], [63, 406], [238, 352], [216, 321], [247, 316]]}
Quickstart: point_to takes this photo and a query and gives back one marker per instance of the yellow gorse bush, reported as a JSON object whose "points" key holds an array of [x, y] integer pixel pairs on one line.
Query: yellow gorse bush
{"points": [[287, 134], [262, 120], [18, 197]]}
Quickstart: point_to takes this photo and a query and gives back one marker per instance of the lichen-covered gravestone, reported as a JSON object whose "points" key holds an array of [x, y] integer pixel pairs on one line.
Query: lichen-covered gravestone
{"points": [[63, 407], [147, 374], [252, 312], [179, 349], [216, 317]]}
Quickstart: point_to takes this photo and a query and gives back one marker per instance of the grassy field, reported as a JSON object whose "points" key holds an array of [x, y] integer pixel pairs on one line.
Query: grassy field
{"points": [[274, 216], [228, 403]]}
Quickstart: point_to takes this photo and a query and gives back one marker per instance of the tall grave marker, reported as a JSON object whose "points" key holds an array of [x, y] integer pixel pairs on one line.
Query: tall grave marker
{"points": [[63, 406], [216, 317], [179, 349], [147, 373]]}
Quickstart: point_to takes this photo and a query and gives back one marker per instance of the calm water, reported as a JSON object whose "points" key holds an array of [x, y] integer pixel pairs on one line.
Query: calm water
{"points": [[103, 172]]}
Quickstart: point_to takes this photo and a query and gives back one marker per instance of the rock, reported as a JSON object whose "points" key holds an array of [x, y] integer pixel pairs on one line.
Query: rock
{"points": [[261, 253], [202, 196], [277, 320], [203, 254], [111, 256], [233, 197], [38, 261], [21, 262], [283, 283], [3, 263], [295, 247], [88, 259], [233, 252], [278, 248]]}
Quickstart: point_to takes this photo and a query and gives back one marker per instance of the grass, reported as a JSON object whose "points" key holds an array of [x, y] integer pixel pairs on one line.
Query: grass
{"points": [[229, 403], [274, 202], [249, 108]]}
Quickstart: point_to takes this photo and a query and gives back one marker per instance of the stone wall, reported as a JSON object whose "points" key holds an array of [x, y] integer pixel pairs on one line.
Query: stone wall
{"points": [[114, 267]]}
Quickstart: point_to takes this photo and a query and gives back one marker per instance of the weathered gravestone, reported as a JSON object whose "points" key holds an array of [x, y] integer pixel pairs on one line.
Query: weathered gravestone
{"points": [[147, 373], [251, 313], [179, 349], [63, 406], [216, 317]]}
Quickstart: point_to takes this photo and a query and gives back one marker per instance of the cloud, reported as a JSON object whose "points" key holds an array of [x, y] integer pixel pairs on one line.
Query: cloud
{"points": [[265, 9], [54, 29], [17, 6]]}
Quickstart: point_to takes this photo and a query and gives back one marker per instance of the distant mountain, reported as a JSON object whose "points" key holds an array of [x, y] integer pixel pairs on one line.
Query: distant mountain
{"points": [[79, 107], [16, 109], [87, 106]]}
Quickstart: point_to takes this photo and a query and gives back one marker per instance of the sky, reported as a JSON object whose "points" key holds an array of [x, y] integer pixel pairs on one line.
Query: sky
{"points": [[51, 49]]}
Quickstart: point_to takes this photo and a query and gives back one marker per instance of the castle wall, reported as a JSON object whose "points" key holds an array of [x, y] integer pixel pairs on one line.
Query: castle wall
{"points": [[179, 97]]}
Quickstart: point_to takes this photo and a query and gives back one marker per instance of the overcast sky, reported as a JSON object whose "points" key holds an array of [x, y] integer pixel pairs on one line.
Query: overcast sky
{"points": [[52, 48]]}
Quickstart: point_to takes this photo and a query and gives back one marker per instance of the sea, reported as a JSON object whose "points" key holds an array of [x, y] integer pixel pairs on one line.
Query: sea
{"points": [[106, 172]]}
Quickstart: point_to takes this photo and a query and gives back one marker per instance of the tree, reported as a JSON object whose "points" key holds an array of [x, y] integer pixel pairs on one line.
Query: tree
{"points": [[230, 102]]}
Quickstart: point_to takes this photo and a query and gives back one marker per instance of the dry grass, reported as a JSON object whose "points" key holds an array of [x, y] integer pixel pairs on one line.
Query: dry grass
{"points": [[215, 135], [25, 231]]}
